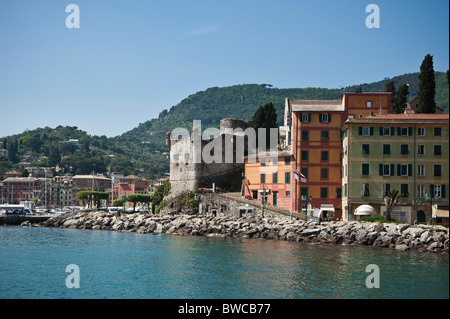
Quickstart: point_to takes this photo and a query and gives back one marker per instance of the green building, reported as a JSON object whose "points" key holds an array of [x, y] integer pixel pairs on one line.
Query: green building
{"points": [[405, 152]]}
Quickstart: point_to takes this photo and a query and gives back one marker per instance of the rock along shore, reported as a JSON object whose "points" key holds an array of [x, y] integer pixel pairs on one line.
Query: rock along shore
{"points": [[398, 236]]}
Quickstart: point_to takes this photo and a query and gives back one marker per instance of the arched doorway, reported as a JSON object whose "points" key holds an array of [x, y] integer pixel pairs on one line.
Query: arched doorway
{"points": [[421, 216]]}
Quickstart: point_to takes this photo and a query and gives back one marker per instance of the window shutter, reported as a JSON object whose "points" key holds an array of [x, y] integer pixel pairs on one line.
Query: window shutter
{"points": [[409, 169], [320, 117], [309, 117], [380, 167], [399, 169], [392, 131], [371, 131], [301, 117], [392, 170], [399, 131], [329, 117], [410, 131], [381, 131], [360, 130], [443, 191], [432, 190]]}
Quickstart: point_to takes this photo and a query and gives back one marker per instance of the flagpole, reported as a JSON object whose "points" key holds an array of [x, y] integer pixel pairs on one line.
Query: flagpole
{"points": [[292, 181]]}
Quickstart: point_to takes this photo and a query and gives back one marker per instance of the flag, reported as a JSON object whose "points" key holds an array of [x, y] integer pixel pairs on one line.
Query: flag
{"points": [[298, 175]]}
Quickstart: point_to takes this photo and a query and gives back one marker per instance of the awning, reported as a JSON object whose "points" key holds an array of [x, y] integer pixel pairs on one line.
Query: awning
{"points": [[442, 213]]}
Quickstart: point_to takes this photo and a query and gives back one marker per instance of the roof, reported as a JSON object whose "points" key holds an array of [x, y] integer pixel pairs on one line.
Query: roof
{"points": [[20, 179], [90, 177], [316, 105], [401, 119]]}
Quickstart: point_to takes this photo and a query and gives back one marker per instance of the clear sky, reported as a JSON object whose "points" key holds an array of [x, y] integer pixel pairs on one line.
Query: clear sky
{"points": [[129, 60]]}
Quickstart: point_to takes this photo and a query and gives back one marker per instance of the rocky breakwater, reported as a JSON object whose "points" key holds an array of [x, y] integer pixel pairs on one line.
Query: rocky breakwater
{"points": [[398, 236]]}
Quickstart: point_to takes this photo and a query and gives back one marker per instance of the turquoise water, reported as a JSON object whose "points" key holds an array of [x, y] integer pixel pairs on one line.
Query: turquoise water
{"points": [[128, 265]]}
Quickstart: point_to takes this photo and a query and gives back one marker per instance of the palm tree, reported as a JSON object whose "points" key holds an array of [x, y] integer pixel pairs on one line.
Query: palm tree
{"points": [[391, 199]]}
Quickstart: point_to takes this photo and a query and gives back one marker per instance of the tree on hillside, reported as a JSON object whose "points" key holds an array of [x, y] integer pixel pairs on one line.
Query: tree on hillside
{"points": [[265, 117], [401, 99], [390, 87], [427, 86]]}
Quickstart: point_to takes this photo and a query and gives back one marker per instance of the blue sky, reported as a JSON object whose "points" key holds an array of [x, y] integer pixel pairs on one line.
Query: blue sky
{"points": [[129, 60]]}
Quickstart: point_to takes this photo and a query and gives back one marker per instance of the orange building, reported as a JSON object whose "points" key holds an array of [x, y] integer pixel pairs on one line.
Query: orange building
{"points": [[313, 133], [132, 185], [271, 179]]}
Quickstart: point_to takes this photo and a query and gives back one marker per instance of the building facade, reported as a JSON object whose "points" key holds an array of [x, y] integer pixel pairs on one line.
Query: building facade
{"points": [[405, 152], [271, 180], [62, 192], [24, 189], [313, 131]]}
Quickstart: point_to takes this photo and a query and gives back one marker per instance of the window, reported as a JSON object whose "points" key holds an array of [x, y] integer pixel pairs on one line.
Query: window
{"points": [[420, 149], [437, 131], [438, 190], [263, 163], [437, 150], [386, 189], [305, 135], [368, 103], [338, 192], [404, 190], [324, 173], [304, 191], [324, 156], [305, 118], [365, 131], [386, 169], [404, 170], [275, 178], [365, 169], [421, 191], [287, 161], [365, 149], [404, 149], [288, 193], [365, 189], [324, 118], [304, 155], [287, 178], [324, 136], [404, 131], [420, 131], [386, 131], [323, 192], [437, 170], [420, 170], [263, 178], [386, 149]]}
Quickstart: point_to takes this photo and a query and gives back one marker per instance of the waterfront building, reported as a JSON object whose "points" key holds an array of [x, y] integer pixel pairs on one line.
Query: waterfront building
{"points": [[405, 152], [21, 189], [61, 191], [132, 185], [270, 179], [313, 131], [97, 183]]}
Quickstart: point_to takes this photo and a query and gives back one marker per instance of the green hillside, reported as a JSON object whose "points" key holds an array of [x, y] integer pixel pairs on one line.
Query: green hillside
{"points": [[142, 150]]}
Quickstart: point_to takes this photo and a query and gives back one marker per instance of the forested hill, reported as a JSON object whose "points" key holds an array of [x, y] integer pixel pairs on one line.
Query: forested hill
{"points": [[241, 101], [142, 150]]}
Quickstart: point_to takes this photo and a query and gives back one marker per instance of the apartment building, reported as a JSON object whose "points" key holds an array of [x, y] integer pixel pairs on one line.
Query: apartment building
{"points": [[405, 152], [21, 189], [313, 132]]}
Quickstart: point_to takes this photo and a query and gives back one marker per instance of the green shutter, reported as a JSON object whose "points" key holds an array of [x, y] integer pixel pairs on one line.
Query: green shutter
{"points": [[381, 131], [371, 131], [392, 131], [320, 118], [287, 178], [409, 169], [392, 170], [443, 191], [300, 116], [360, 130], [380, 169]]}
